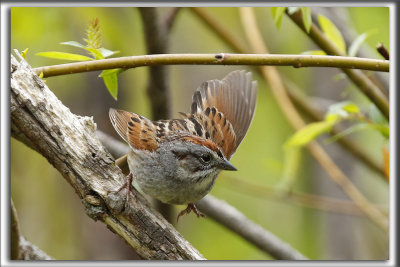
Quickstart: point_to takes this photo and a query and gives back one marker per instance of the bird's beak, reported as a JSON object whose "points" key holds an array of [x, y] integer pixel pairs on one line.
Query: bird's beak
{"points": [[226, 165]]}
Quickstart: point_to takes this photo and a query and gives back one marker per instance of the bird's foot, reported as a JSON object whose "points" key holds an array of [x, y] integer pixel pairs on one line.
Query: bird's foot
{"points": [[190, 207]]}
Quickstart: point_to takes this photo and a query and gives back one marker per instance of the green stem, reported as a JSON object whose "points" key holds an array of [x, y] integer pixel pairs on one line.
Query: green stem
{"points": [[296, 61]]}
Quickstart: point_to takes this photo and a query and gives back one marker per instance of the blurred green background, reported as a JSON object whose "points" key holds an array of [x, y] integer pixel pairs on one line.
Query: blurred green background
{"points": [[50, 213]]}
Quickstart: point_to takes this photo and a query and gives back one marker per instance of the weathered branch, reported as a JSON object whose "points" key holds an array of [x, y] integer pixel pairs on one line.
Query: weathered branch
{"points": [[234, 220], [356, 76], [70, 144], [297, 61]]}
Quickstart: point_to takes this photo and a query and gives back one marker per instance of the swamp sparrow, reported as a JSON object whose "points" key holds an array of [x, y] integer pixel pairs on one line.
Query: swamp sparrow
{"points": [[177, 161]]}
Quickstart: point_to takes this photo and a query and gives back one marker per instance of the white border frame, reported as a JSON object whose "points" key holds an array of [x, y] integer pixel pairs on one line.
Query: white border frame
{"points": [[5, 136]]}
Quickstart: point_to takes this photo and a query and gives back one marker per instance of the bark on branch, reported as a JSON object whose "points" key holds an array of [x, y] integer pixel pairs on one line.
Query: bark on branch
{"points": [[70, 144]]}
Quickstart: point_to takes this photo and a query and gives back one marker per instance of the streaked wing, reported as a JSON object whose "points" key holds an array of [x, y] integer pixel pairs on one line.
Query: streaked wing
{"points": [[138, 131], [229, 104]]}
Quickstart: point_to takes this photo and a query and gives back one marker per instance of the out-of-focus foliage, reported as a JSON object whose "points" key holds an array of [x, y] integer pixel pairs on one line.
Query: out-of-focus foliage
{"points": [[51, 214]]}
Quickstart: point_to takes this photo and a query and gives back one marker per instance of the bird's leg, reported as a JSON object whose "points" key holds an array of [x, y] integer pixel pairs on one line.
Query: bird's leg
{"points": [[190, 207], [128, 186]]}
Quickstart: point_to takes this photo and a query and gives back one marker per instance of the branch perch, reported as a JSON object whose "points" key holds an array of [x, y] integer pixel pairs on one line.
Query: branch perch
{"points": [[70, 144], [297, 61]]}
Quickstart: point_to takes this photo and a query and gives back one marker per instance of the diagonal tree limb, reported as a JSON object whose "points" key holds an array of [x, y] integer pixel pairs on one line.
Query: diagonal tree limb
{"points": [[69, 143]]}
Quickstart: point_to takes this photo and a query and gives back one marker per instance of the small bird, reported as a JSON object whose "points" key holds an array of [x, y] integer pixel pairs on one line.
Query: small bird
{"points": [[177, 161]]}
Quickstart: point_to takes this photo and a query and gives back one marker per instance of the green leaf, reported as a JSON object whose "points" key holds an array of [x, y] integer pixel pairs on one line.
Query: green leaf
{"points": [[277, 13], [107, 53], [64, 56], [355, 46], [306, 16], [343, 109], [292, 10], [314, 53], [309, 133], [74, 44], [111, 81], [332, 33]]}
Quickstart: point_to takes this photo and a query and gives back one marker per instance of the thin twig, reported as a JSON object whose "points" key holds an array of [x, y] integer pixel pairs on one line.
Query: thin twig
{"points": [[234, 220], [279, 91], [297, 61], [383, 51], [356, 76]]}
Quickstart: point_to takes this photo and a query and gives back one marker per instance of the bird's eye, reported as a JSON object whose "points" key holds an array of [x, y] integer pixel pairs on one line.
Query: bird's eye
{"points": [[206, 157]]}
